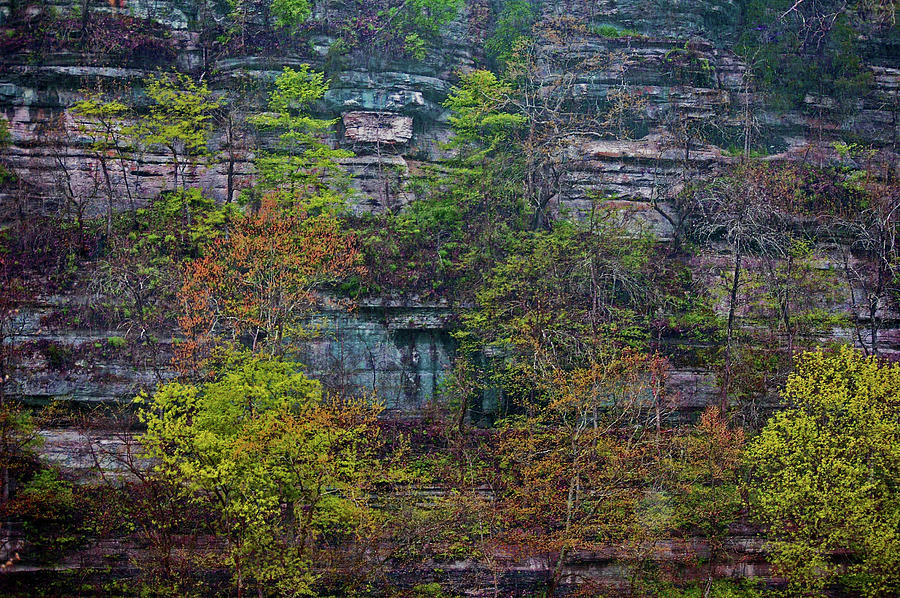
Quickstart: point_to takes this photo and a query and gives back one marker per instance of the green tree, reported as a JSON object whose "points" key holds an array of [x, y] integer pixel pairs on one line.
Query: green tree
{"points": [[291, 13], [5, 140], [5, 135], [303, 167], [101, 120], [179, 119], [513, 23], [416, 22], [423, 17], [282, 466], [483, 118], [18, 441], [825, 474]]}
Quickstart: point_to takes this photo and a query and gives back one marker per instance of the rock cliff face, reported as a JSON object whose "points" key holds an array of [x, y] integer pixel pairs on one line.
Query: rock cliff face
{"points": [[398, 350], [391, 112], [677, 55], [388, 109]]}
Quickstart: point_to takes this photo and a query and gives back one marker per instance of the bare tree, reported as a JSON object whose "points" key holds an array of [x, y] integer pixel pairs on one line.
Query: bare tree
{"points": [[77, 182], [153, 503], [870, 250], [546, 75], [736, 210]]}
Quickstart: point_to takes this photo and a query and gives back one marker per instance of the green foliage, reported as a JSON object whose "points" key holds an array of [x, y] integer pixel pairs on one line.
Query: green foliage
{"points": [[396, 27], [47, 506], [715, 589], [825, 472], [709, 480], [513, 23], [18, 441], [856, 180], [5, 135], [442, 244], [414, 46], [280, 464], [780, 297], [559, 273], [734, 151], [59, 357], [556, 298], [116, 342], [180, 112], [179, 224], [796, 285], [522, 121], [137, 278], [304, 169], [291, 13], [179, 119], [550, 317], [6, 175], [336, 57], [428, 590], [100, 118], [423, 18], [689, 67], [612, 31], [96, 107], [46, 496], [481, 116]]}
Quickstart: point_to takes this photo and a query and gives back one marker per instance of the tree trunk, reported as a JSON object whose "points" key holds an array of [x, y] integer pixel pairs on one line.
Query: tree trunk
{"points": [[729, 331], [109, 197]]}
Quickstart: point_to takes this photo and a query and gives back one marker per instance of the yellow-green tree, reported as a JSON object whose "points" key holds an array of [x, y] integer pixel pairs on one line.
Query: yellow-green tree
{"points": [[101, 120], [283, 466], [826, 471], [303, 167], [179, 120]]}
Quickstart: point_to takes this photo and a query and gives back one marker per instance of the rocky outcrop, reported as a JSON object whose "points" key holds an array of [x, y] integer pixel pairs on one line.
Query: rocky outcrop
{"points": [[681, 66], [385, 128], [676, 57], [399, 351]]}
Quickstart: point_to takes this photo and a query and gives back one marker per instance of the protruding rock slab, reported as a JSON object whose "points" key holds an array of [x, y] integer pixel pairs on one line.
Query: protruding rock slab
{"points": [[377, 127]]}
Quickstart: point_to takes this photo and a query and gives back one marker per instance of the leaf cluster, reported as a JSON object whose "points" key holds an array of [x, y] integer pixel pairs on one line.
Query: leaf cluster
{"points": [[825, 470]]}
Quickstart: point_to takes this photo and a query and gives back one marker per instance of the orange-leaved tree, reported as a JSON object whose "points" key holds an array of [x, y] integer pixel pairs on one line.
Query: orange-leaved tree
{"points": [[583, 466], [255, 286]]}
